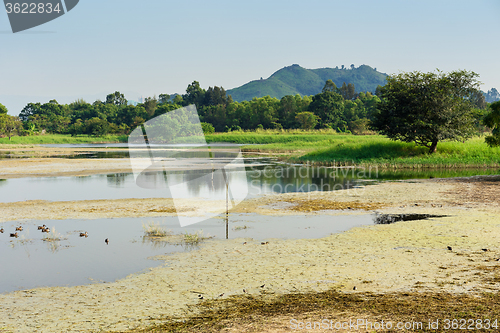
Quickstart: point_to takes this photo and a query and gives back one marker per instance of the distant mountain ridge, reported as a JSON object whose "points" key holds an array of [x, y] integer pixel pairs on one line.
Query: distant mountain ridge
{"points": [[294, 79]]}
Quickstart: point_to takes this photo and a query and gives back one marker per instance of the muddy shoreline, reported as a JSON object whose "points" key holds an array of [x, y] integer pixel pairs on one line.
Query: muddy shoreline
{"points": [[402, 257]]}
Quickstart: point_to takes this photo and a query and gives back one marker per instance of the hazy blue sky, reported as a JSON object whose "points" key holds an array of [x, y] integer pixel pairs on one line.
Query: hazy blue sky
{"points": [[157, 46]]}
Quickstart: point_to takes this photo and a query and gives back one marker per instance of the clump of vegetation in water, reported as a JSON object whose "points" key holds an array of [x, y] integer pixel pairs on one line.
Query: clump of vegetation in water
{"points": [[53, 236], [240, 227], [155, 230], [194, 238]]}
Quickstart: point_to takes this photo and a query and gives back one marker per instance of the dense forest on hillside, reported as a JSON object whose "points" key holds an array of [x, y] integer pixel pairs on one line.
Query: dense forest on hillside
{"points": [[293, 80]]}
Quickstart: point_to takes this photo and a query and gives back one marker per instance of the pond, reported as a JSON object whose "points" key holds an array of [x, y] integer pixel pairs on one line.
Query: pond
{"points": [[259, 177], [259, 180], [29, 261]]}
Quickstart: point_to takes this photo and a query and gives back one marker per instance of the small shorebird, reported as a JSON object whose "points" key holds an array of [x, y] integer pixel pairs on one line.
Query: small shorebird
{"points": [[1, 231], [84, 234], [41, 227], [46, 230], [106, 241], [14, 235], [19, 228]]}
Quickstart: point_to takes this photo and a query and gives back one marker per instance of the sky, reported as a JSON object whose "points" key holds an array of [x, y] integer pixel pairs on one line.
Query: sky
{"points": [[149, 47]]}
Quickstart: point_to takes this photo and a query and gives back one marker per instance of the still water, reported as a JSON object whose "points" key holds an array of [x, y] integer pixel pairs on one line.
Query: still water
{"points": [[259, 180], [264, 178], [28, 261]]}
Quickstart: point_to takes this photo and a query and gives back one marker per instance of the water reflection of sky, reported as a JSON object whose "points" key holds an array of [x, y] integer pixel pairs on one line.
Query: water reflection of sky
{"points": [[123, 185], [259, 180], [29, 261]]}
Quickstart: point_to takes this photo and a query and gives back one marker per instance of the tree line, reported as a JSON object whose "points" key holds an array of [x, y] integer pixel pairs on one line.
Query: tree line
{"points": [[339, 108]]}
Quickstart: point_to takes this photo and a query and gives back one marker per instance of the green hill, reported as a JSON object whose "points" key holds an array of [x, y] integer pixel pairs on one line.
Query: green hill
{"points": [[294, 80]]}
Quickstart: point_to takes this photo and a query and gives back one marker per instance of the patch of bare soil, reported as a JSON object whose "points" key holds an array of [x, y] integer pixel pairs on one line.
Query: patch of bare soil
{"points": [[481, 191]]}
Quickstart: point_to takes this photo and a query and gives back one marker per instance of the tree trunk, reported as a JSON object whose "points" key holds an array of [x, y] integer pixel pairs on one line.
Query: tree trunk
{"points": [[432, 148]]}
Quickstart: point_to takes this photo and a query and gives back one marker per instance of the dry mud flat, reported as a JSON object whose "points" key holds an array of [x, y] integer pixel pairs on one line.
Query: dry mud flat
{"points": [[405, 256]]}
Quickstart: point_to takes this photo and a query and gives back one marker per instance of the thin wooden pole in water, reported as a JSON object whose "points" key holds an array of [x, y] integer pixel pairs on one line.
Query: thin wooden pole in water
{"points": [[227, 209]]}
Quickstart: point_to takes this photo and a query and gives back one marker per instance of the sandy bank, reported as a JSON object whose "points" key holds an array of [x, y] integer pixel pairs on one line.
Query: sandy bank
{"points": [[392, 196]]}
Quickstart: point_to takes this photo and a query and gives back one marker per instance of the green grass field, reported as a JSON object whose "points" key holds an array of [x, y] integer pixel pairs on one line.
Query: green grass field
{"points": [[272, 136], [380, 151], [61, 139], [364, 150], [326, 147]]}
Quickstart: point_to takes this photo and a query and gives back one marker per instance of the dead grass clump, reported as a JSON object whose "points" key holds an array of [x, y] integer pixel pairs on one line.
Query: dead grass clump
{"points": [[194, 238], [163, 210], [154, 230], [52, 236], [246, 313], [304, 205]]}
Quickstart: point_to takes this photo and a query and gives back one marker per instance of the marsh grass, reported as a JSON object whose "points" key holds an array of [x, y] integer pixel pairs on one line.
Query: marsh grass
{"points": [[61, 138], [52, 236], [247, 313], [326, 147], [376, 150], [152, 229], [155, 234], [194, 238], [241, 227]]}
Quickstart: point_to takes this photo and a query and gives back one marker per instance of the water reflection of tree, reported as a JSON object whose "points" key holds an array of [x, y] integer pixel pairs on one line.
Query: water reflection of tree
{"points": [[197, 180], [53, 246], [300, 179], [215, 182], [155, 242], [83, 179], [162, 242], [117, 179]]}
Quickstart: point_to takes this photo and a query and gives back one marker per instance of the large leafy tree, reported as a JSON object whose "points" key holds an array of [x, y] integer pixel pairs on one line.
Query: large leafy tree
{"points": [[307, 120], [150, 104], [194, 95], [288, 110], [329, 86], [163, 98], [426, 108], [10, 125], [116, 98], [216, 96], [328, 106], [493, 120], [3, 109], [30, 110]]}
